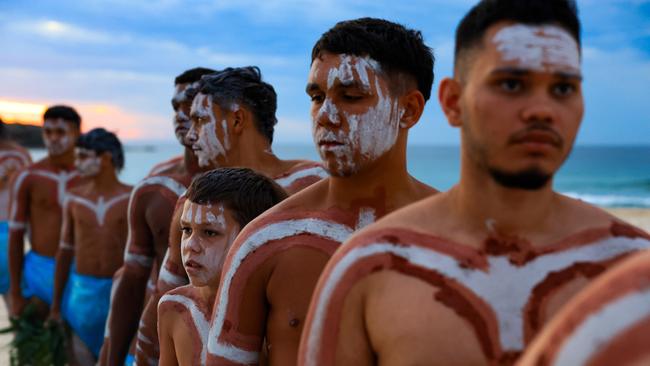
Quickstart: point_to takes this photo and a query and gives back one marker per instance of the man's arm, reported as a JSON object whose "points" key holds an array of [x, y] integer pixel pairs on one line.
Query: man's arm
{"points": [[166, 319], [19, 217], [172, 275], [64, 257], [130, 288]]}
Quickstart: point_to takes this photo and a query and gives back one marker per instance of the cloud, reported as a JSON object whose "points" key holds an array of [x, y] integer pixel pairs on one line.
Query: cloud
{"points": [[61, 31]]}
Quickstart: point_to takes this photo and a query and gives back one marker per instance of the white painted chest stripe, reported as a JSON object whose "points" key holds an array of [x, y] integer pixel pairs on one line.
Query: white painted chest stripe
{"points": [[14, 223], [166, 182], [505, 287], [169, 277], [14, 154], [602, 327], [286, 182], [100, 208], [61, 180], [326, 229], [200, 321]]}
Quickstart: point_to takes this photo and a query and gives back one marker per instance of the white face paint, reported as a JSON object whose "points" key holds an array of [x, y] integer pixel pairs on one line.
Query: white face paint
{"points": [[57, 136], [87, 163], [540, 48], [207, 234], [369, 134], [182, 121], [206, 145]]}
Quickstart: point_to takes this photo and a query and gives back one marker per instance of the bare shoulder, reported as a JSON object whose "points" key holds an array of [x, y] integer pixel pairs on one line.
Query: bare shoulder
{"points": [[580, 215], [305, 200]]}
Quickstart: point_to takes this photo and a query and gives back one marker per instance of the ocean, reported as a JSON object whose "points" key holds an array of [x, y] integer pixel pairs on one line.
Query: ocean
{"points": [[607, 176]]}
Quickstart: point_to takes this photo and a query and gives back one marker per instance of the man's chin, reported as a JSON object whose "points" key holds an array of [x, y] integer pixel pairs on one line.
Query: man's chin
{"points": [[529, 179]]}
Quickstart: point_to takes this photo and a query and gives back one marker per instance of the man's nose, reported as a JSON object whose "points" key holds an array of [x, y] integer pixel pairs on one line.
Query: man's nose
{"points": [[328, 114], [192, 135], [540, 107]]}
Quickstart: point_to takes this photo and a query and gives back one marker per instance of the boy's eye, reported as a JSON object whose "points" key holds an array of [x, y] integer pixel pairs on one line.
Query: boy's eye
{"points": [[316, 98], [186, 230], [352, 97], [511, 85], [210, 233]]}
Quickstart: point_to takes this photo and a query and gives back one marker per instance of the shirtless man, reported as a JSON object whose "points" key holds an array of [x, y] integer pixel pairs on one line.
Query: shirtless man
{"points": [[468, 277], [233, 119], [93, 234], [219, 203], [368, 83], [606, 324], [150, 211], [38, 194], [13, 158]]}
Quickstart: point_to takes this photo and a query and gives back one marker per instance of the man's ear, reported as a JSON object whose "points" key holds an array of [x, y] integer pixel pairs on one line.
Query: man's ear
{"points": [[449, 97], [413, 106], [239, 117], [107, 158]]}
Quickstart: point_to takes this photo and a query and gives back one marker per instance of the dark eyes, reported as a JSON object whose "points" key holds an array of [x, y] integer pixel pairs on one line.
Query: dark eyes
{"points": [[316, 98], [209, 233], [186, 230], [564, 89], [511, 85], [560, 89]]}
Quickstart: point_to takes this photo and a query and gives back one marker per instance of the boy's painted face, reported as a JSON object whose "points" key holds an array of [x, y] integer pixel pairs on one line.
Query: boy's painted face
{"points": [[87, 162], [208, 232], [355, 118], [208, 133], [59, 136]]}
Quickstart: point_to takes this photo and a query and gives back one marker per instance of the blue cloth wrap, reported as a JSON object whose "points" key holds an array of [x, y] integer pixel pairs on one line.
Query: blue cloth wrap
{"points": [[4, 257], [85, 307], [130, 360], [38, 277]]}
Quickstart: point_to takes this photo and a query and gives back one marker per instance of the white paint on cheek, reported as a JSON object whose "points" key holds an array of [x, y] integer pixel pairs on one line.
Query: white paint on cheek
{"points": [[541, 48], [89, 167]]}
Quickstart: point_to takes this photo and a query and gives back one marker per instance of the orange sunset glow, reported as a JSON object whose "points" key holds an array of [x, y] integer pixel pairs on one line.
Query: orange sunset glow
{"points": [[128, 125]]}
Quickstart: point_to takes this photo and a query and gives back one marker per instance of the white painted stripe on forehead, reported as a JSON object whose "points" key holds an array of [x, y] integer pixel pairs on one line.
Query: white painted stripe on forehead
{"points": [[602, 327], [289, 180], [279, 230], [200, 321], [505, 287], [538, 47]]}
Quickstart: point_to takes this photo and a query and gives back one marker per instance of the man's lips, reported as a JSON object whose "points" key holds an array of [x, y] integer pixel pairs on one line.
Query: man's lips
{"points": [[329, 143], [192, 265]]}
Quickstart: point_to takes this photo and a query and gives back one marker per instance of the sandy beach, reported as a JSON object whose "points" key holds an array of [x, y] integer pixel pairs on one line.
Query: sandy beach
{"points": [[636, 216]]}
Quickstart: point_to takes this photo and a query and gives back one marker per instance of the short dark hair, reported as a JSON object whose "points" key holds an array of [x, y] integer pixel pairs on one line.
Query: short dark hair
{"points": [[244, 85], [99, 140], [241, 190], [482, 16], [396, 48], [192, 75], [64, 112]]}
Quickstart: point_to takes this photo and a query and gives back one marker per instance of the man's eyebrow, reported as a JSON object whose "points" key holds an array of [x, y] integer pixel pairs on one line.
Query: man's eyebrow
{"points": [[311, 87], [511, 71], [568, 75]]}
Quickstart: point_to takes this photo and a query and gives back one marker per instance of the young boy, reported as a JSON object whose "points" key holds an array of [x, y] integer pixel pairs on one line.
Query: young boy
{"points": [[93, 233], [219, 204]]}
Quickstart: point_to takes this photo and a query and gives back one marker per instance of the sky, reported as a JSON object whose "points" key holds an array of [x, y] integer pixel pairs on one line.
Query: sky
{"points": [[115, 60]]}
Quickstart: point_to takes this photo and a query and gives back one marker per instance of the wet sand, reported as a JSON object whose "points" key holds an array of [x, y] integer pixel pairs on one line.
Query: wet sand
{"points": [[635, 216]]}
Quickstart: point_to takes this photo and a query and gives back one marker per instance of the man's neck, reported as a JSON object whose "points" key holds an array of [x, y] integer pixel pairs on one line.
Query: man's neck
{"points": [[485, 205], [105, 181], [387, 175], [256, 155], [64, 161], [190, 162]]}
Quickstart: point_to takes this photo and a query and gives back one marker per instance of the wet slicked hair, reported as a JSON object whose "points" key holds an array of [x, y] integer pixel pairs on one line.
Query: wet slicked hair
{"points": [[245, 193], [472, 28], [398, 50], [244, 86], [99, 140], [64, 112], [192, 75]]}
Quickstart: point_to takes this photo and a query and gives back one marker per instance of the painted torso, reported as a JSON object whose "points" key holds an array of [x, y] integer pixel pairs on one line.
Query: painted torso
{"points": [[282, 256], [477, 305], [39, 193], [99, 228], [189, 315], [12, 160], [606, 324], [161, 168], [172, 274]]}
